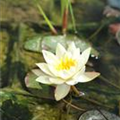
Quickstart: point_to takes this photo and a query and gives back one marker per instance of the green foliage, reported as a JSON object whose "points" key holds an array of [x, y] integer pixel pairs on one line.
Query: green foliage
{"points": [[46, 18], [14, 111], [73, 17], [5, 96]]}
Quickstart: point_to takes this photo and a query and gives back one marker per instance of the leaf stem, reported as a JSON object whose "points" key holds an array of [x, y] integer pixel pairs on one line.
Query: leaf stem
{"points": [[105, 80], [89, 99], [74, 106], [75, 90], [96, 32]]}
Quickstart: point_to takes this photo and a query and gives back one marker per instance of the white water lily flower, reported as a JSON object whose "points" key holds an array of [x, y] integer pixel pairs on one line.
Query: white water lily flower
{"points": [[64, 69]]}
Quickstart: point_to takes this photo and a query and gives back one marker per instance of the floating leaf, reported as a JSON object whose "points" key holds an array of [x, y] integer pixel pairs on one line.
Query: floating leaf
{"points": [[33, 44], [50, 42], [47, 92], [31, 82]]}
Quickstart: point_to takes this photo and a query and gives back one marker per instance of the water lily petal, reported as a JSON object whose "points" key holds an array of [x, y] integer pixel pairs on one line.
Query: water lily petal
{"points": [[53, 70], [38, 72], [67, 74], [43, 79], [88, 76], [76, 54], [74, 80], [60, 50], [56, 80], [49, 57], [85, 56], [44, 68], [68, 54], [71, 47], [73, 50], [63, 74], [80, 72], [61, 91]]}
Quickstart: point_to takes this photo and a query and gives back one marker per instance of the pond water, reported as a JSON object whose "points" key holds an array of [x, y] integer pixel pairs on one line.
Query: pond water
{"points": [[21, 42]]}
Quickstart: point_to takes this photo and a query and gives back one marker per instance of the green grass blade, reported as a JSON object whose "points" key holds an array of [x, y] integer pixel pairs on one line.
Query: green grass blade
{"points": [[47, 20], [72, 16]]}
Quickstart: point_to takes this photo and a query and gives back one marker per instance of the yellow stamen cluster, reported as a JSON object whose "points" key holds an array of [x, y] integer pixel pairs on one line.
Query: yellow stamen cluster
{"points": [[65, 63]]}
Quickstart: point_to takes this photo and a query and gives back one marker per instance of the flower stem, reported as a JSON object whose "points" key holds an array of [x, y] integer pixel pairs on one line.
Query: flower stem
{"points": [[74, 106], [89, 99], [75, 90], [97, 103]]}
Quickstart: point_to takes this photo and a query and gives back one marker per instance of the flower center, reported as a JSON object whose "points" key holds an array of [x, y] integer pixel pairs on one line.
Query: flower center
{"points": [[65, 63]]}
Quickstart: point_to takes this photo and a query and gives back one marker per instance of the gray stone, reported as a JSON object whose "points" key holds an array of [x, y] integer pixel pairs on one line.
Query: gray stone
{"points": [[98, 115]]}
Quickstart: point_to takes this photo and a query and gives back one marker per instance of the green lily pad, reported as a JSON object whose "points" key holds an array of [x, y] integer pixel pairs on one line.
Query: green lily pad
{"points": [[33, 44], [30, 81], [49, 43]]}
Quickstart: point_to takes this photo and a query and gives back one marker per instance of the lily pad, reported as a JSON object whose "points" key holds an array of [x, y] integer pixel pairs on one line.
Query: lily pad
{"points": [[33, 44], [30, 81], [37, 89], [49, 43]]}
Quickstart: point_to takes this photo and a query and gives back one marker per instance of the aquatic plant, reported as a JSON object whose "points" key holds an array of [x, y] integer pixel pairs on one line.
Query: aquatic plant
{"points": [[64, 69]]}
